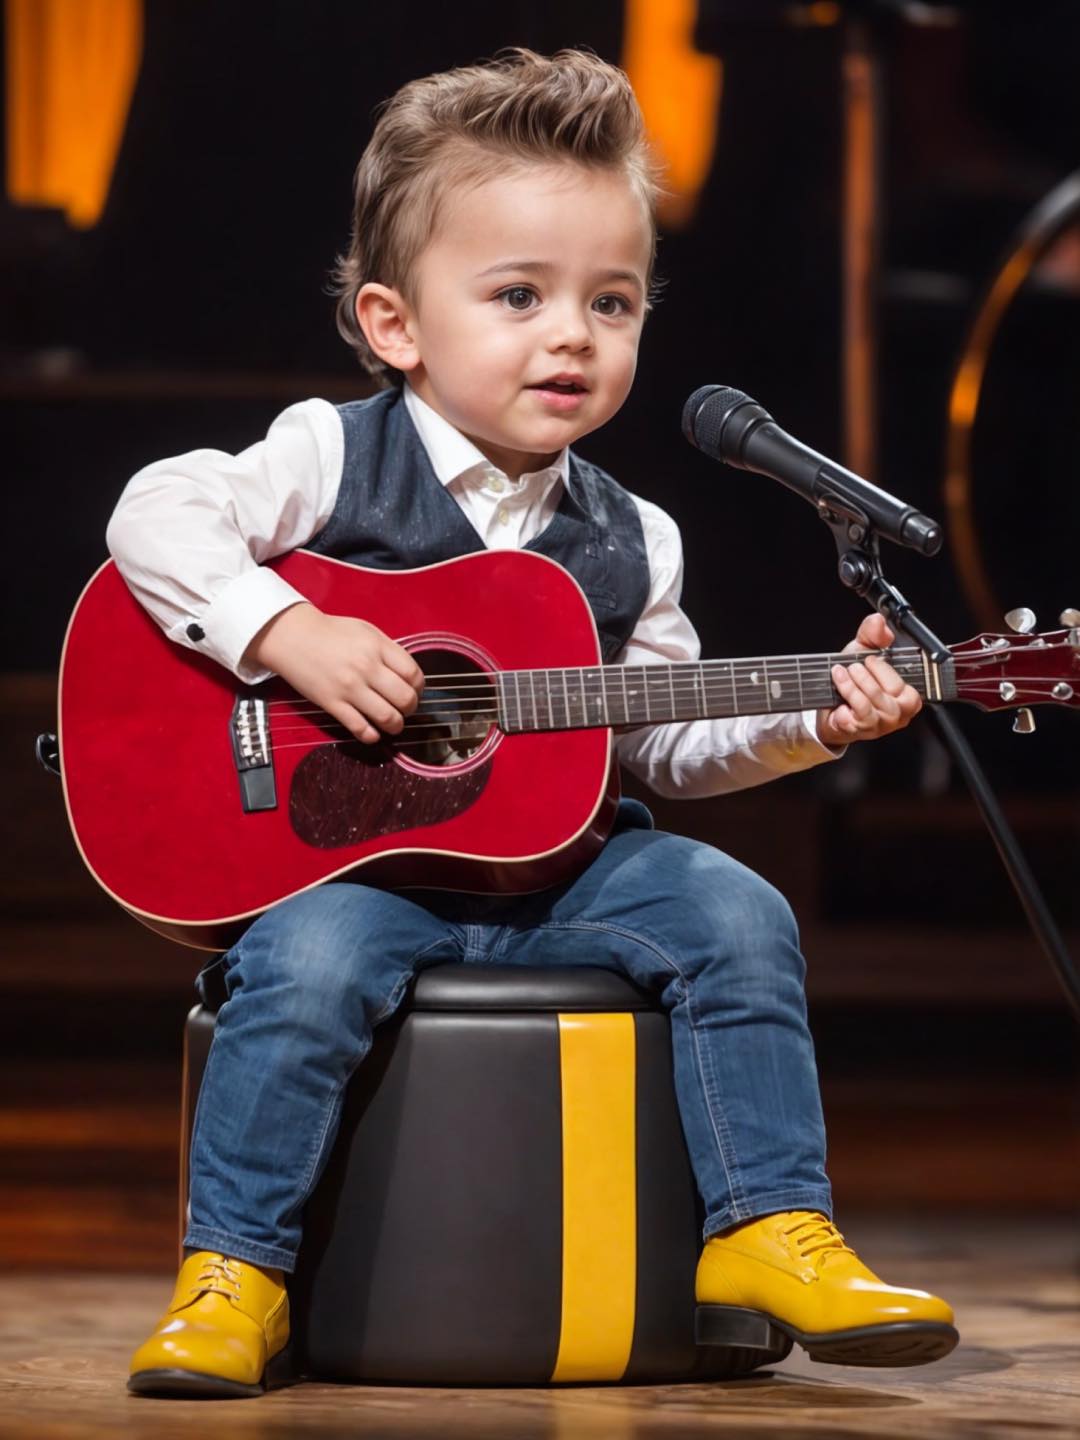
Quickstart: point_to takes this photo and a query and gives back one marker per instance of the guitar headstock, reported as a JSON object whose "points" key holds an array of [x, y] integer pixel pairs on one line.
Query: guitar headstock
{"points": [[1011, 672]]}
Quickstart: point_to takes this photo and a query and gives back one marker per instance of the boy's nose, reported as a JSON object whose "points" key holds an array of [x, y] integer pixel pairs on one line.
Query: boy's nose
{"points": [[569, 330]]}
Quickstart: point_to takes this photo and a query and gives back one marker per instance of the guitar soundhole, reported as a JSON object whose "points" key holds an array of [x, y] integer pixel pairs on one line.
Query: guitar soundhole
{"points": [[456, 712]]}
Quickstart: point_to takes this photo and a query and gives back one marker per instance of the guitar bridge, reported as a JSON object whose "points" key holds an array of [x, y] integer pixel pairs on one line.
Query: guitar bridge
{"points": [[249, 731]]}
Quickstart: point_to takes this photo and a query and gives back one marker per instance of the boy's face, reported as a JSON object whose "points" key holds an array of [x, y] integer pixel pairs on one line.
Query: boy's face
{"points": [[530, 299]]}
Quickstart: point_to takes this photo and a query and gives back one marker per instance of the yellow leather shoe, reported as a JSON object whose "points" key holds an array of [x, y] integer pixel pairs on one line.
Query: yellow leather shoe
{"points": [[790, 1277], [223, 1336]]}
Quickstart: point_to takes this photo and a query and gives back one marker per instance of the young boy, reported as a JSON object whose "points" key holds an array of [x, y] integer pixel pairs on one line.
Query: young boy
{"points": [[499, 275]]}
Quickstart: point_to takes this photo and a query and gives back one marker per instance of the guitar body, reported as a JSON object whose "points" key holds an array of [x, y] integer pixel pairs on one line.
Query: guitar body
{"points": [[151, 774]]}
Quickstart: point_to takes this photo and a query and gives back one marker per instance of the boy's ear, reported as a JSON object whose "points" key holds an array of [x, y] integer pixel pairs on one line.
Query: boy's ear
{"points": [[386, 318]]}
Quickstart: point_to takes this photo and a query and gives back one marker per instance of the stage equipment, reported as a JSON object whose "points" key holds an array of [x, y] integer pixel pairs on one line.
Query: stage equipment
{"points": [[729, 426], [855, 529]]}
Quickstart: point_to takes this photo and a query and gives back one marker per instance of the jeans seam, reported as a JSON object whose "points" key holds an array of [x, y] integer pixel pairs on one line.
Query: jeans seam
{"points": [[499, 948], [717, 1117], [333, 1104], [724, 1145]]}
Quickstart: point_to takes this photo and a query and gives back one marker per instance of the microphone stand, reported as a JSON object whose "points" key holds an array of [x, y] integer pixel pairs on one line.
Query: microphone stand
{"points": [[859, 568]]}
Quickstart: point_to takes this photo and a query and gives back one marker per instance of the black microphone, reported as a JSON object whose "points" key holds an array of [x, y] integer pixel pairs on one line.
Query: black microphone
{"points": [[729, 426]]}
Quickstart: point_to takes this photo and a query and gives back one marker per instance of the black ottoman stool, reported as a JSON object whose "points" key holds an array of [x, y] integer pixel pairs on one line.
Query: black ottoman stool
{"points": [[509, 1200]]}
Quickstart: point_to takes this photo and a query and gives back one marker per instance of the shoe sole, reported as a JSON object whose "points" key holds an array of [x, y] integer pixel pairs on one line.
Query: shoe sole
{"points": [[192, 1385], [907, 1342]]}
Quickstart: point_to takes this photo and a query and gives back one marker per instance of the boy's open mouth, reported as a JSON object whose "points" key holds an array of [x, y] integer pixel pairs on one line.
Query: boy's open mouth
{"points": [[564, 385]]}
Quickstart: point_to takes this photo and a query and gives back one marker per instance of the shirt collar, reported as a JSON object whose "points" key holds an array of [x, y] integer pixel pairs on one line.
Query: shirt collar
{"points": [[451, 453]]}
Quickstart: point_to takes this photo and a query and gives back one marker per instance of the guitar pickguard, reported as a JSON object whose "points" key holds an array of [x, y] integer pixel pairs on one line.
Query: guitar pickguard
{"points": [[345, 794]]}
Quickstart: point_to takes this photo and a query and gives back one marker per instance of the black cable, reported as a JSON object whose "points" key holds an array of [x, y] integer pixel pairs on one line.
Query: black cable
{"points": [[1012, 857]]}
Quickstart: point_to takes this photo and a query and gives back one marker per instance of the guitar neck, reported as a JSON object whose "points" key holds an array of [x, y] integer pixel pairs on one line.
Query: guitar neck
{"points": [[636, 695]]}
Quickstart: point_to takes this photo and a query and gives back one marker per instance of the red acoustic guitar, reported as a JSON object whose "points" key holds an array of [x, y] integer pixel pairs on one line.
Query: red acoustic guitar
{"points": [[198, 802]]}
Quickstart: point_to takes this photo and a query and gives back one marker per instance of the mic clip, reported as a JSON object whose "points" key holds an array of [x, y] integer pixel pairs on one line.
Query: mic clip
{"points": [[859, 568]]}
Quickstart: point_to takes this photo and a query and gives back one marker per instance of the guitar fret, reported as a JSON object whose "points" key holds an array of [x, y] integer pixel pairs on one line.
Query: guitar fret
{"points": [[606, 680], [502, 718], [583, 708], [597, 708], [566, 700], [655, 684], [517, 693]]}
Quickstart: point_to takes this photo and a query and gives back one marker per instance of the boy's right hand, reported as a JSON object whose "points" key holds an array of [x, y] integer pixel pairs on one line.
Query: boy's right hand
{"points": [[348, 667]]}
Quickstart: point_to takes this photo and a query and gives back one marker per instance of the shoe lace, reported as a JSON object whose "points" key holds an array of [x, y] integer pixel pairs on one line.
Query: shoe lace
{"points": [[817, 1239], [220, 1275]]}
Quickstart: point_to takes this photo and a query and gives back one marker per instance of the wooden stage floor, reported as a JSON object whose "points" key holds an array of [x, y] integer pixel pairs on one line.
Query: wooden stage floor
{"points": [[65, 1339]]}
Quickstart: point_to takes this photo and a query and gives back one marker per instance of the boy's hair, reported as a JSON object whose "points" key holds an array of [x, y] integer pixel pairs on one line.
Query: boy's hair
{"points": [[443, 131]]}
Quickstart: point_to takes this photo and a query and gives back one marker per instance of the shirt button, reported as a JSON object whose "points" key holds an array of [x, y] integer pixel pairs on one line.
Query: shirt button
{"points": [[495, 483], [195, 633], [504, 514]]}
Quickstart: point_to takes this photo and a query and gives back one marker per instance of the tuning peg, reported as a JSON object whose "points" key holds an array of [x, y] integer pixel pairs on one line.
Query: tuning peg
{"points": [[1069, 618], [1022, 620], [1024, 724]]}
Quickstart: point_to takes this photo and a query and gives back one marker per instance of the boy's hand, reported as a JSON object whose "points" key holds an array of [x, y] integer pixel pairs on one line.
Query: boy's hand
{"points": [[876, 700], [348, 667]]}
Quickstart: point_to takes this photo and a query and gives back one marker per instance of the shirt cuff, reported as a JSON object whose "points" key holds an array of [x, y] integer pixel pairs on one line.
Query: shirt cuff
{"points": [[815, 746], [234, 617]]}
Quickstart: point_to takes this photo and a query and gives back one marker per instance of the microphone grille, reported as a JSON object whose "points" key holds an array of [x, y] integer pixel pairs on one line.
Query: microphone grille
{"points": [[707, 412]]}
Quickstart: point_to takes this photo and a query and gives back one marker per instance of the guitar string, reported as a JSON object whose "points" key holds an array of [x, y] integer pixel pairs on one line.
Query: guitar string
{"points": [[776, 665], [395, 743], [449, 714], [690, 693], [693, 675], [978, 657], [631, 674], [641, 713], [491, 707], [458, 711]]}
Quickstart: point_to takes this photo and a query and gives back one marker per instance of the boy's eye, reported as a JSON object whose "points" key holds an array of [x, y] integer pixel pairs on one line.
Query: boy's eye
{"points": [[517, 297], [611, 305]]}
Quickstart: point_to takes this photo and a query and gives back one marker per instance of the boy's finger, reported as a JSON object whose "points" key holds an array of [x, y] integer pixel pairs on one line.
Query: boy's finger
{"points": [[398, 659], [850, 683], [400, 694], [378, 710], [355, 723], [874, 631], [880, 700], [910, 701], [885, 675]]}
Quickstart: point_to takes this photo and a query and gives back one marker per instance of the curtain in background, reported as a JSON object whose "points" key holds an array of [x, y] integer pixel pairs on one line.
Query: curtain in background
{"points": [[678, 90], [71, 70]]}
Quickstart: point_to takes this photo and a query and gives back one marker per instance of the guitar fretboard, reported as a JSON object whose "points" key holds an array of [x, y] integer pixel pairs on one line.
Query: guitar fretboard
{"points": [[598, 695]]}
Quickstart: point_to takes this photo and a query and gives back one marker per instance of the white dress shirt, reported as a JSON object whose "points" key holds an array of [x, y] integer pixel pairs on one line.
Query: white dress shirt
{"points": [[190, 535]]}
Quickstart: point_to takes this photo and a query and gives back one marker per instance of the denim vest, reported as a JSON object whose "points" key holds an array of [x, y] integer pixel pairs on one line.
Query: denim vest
{"points": [[393, 514]]}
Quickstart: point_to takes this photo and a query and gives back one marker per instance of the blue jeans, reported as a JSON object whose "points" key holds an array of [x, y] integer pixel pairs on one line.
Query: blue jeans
{"points": [[310, 980]]}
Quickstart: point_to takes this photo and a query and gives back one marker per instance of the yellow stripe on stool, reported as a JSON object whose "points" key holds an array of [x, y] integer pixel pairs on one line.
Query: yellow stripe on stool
{"points": [[599, 1283]]}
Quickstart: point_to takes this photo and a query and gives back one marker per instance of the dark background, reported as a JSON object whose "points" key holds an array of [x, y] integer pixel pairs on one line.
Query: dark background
{"points": [[197, 309]]}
